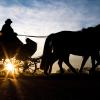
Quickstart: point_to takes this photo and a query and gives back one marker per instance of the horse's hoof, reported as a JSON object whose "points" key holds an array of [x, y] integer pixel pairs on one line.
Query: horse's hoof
{"points": [[80, 71], [92, 72], [76, 73], [62, 72], [46, 73]]}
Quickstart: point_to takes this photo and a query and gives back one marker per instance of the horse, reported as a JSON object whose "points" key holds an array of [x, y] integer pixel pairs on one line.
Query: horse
{"points": [[58, 46]]}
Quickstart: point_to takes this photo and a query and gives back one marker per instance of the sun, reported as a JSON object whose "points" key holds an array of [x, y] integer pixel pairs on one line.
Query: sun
{"points": [[10, 67]]}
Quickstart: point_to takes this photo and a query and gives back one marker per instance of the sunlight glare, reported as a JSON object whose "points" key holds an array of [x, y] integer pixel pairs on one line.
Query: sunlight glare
{"points": [[10, 67]]}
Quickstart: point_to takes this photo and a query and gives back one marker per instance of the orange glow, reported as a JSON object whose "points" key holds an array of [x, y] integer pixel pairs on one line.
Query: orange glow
{"points": [[10, 67]]}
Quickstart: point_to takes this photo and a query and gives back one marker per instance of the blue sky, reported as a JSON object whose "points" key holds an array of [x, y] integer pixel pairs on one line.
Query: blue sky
{"points": [[43, 17], [46, 16]]}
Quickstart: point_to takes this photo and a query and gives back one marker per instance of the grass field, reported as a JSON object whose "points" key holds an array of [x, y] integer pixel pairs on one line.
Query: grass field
{"points": [[53, 87]]}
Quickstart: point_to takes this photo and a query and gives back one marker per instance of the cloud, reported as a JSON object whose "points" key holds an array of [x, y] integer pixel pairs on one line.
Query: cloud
{"points": [[43, 17], [35, 20], [46, 16]]}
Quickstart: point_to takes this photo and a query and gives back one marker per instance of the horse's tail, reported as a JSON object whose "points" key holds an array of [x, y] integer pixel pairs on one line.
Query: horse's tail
{"points": [[47, 51]]}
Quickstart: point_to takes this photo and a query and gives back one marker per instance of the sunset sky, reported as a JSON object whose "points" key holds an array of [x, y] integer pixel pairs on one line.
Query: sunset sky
{"points": [[43, 17]]}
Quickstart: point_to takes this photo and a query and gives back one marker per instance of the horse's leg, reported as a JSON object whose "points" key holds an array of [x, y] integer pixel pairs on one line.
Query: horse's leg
{"points": [[97, 56], [66, 60], [83, 63], [60, 65], [50, 69], [92, 70], [51, 64], [52, 60], [46, 68]]}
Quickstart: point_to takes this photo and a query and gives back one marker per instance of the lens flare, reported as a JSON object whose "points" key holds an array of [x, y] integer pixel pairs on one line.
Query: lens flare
{"points": [[10, 67]]}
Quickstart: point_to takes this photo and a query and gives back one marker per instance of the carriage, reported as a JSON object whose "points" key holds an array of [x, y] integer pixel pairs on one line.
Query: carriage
{"points": [[14, 52]]}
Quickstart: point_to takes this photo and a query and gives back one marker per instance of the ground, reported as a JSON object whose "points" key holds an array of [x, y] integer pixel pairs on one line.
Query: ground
{"points": [[54, 87]]}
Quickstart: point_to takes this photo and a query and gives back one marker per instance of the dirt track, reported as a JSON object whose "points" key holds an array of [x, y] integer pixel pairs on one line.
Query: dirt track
{"points": [[49, 88]]}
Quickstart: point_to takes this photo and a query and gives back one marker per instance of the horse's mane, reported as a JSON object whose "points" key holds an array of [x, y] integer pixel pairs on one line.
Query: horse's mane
{"points": [[92, 28], [83, 30]]}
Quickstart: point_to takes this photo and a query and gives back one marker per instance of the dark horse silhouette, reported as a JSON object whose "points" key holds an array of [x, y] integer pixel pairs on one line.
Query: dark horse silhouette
{"points": [[60, 45]]}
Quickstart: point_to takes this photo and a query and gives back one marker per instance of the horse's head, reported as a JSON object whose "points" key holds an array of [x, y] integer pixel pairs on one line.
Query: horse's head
{"points": [[97, 28]]}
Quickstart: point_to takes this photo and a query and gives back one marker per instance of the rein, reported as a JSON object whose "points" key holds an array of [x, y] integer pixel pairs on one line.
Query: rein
{"points": [[33, 36]]}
